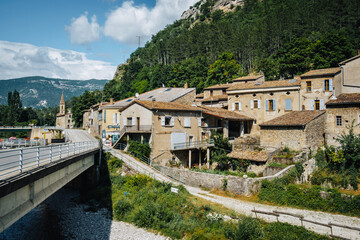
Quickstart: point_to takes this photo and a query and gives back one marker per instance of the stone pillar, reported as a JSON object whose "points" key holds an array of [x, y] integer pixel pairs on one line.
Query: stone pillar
{"points": [[208, 157], [226, 128], [189, 159], [241, 129], [199, 158], [142, 138]]}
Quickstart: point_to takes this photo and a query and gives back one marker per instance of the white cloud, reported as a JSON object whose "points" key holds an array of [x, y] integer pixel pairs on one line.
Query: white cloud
{"points": [[22, 60], [82, 31], [129, 21]]}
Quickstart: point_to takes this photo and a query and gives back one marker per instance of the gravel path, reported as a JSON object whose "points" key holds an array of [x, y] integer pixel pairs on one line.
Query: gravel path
{"points": [[245, 208]]}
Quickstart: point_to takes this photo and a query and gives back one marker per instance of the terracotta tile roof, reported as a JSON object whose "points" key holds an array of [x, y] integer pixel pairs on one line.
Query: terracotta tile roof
{"points": [[223, 113], [219, 86], [295, 118], [266, 84], [248, 78], [216, 98], [345, 98], [349, 60], [257, 156], [321, 72], [155, 105]]}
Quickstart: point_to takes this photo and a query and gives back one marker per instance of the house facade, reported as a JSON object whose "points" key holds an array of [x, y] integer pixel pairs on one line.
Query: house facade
{"points": [[342, 112], [296, 130], [350, 74], [318, 86], [264, 101]]}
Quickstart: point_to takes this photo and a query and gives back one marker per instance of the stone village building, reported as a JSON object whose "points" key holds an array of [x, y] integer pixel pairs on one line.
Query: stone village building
{"points": [[63, 118], [342, 112], [93, 118]]}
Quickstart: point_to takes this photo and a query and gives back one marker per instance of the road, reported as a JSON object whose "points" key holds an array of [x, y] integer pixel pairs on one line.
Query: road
{"points": [[77, 135]]}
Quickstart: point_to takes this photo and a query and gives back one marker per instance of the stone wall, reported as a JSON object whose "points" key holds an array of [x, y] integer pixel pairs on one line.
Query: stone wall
{"points": [[315, 132], [238, 185], [294, 138], [187, 99]]}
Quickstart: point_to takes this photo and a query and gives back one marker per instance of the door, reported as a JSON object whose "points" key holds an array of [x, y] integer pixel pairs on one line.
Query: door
{"points": [[138, 123]]}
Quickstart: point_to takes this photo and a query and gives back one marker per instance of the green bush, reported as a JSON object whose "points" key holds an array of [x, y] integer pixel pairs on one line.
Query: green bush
{"points": [[114, 164], [121, 208], [139, 150], [249, 229], [284, 231]]}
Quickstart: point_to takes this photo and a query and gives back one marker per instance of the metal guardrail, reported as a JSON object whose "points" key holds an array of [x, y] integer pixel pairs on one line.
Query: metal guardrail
{"points": [[20, 160], [330, 225], [21, 142], [29, 127], [197, 144]]}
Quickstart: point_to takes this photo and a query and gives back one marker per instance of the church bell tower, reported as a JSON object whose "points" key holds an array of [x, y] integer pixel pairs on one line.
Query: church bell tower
{"points": [[62, 105]]}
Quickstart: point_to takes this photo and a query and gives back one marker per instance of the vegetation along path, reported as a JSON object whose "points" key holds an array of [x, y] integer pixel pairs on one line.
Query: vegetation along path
{"points": [[244, 207]]}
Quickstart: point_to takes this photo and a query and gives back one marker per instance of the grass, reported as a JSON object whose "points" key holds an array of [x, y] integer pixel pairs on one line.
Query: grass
{"points": [[275, 164], [225, 173], [150, 204]]}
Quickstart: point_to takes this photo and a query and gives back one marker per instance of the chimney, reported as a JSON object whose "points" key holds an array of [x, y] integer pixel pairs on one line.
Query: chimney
{"points": [[186, 85], [111, 101]]}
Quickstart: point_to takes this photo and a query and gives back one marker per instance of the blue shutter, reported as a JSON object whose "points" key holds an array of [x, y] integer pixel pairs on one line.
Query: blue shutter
{"points": [[312, 104], [288, 104], [324, 83], [267, 105], [330, 85], [274, 105], [252, 104]]}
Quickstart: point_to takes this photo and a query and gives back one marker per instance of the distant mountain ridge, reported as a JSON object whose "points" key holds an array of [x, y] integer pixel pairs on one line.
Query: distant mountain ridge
{"points": [[37, 92]]}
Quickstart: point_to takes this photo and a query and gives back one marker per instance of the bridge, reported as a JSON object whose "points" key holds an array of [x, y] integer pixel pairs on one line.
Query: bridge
{"points": [[30, 175]]}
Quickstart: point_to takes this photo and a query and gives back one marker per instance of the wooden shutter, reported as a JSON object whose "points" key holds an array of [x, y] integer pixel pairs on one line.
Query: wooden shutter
{"points": [[187, 122], [124, 121], [252, 104], [114, 117], [288, 104], [118, 118], [330, 85], [233, 106], [274, 105], [199, 122], [162, 121], [321, 104], [259, 104], [267, 105], [313, 104], [172, 121]]}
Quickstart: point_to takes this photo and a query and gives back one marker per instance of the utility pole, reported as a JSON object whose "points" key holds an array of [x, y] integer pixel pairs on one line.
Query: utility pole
{"points": [[139, 37]]}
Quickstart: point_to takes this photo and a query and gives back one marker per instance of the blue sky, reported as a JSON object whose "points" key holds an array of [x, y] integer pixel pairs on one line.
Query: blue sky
{"points": [[77, 39]]}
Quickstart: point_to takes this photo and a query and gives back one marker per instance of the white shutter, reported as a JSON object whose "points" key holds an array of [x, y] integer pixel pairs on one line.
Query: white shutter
{"points": [[118, 118], [313, 104], [172, 121], [259, 104], [124, 121], [274, 105], [199, 122], [187, 122], [252, 104], [321, 104], [233, 106], [330, 85], [267, 105], [114, 117], [162, 121], [239, 106], [133, 121]]}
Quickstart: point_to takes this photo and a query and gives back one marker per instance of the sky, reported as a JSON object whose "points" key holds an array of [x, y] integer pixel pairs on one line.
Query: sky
{"points": [[77, 39]]}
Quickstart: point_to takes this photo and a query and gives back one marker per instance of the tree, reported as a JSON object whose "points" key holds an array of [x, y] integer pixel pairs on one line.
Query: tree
{"points": [[223, 69], [14, 107]]}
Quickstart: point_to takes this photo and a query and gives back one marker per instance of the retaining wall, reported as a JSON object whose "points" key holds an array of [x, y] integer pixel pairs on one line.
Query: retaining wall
{"points": [[238, 185]]}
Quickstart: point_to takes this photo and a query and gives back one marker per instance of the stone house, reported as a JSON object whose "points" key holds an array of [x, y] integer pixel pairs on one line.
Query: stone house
{"points": [[341, 113], [264, 101], [63, 118], [113, 110], [350, 74], [172, 130], [93, 119], [215, 96], [318, 86], [296, 130]]}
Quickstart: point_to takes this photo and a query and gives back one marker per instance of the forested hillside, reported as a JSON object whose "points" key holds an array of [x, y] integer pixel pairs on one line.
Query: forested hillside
{"points": [[279, 38]]}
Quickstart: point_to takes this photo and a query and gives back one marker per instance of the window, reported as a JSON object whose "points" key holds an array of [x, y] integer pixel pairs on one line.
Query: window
{"points": [[328, 85], [129, 121], [105, 116], [223, 91], [308, 86], [317, 104], [288, 104], [211, 93], [256, 104], [338, 121], [255, 122], [270, 105], [167, 121], [236, 106]]}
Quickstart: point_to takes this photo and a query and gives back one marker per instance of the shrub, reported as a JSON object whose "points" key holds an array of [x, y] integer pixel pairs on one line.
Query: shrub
{"points": [[122, 207], [114, 164], [284, 231], [139, 150], [248, 229]]}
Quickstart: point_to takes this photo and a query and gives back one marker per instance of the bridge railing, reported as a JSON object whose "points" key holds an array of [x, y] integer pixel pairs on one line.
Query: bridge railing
{"points": [[20, 160]]}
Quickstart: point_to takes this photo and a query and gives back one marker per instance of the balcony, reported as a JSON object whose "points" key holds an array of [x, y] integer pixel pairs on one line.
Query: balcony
{"points": [[193, 145]]}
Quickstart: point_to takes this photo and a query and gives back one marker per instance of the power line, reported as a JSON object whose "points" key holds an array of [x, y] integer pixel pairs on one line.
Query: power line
{"points": [[139, 37]]}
